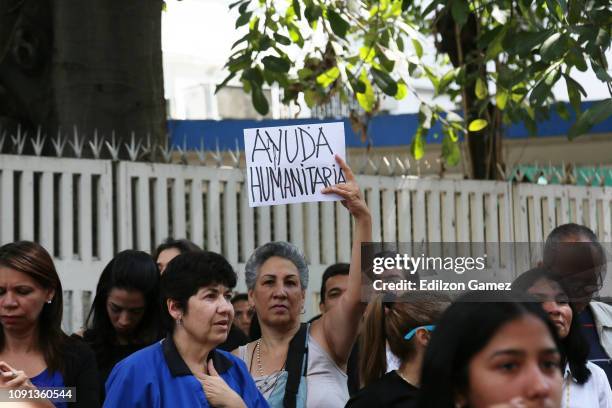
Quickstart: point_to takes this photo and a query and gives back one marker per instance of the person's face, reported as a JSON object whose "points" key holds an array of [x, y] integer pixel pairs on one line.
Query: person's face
{"points": [[21, 300], [519, 362], [581, 280], [334, 288], [125, 309], [243, 315], [555, 303], [209, 314], [165, 256], [278, 295]]}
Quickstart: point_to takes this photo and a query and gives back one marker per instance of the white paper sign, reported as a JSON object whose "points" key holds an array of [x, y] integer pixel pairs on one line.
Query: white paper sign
{"points": [[291, 164]]}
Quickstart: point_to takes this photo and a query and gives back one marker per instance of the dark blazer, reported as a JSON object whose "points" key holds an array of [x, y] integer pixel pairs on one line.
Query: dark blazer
{"points": [[81, 372]]}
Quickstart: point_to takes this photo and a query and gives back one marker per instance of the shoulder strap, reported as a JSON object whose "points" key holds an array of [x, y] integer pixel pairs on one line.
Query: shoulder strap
{"points": [[297, 360]]}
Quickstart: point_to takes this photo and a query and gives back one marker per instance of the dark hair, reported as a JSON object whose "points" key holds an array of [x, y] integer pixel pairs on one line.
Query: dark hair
{"points": [[189, 272], [130, 270], [240, 297], [387, 323], [330, 272], [464, 329], [33, 260], [182, 245], [574, 347], [581, 265]]}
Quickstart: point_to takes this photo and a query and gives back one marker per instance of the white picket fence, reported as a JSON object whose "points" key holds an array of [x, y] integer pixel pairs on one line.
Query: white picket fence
{"points": [[83, 211]]}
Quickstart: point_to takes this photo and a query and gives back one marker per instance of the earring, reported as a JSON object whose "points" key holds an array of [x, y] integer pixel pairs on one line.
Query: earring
{"points": [[179, 321], [49, 301]]}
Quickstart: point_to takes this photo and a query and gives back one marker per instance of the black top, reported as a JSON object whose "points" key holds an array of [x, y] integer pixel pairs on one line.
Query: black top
{"points": [[80, 371], [235, 339], [108, 357], [390, 391]]}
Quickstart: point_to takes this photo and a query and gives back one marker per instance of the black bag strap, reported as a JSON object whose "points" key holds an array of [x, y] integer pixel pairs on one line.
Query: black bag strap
{"points": [[296, 365]]}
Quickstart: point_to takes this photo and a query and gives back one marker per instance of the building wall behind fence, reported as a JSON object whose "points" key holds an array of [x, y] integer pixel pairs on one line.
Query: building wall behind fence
{"points": [[84, 211]]}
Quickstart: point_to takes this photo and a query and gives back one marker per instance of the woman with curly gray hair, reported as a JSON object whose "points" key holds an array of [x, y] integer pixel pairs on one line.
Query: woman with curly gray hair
{"points": [[294, 364]]}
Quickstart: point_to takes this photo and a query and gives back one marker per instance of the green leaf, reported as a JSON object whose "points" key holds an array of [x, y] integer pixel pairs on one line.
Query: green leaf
{"points": [[311, 98], [297, 9], [574, 89], [418, 48], [243, 19], [312, 12], [326, 78], [450, 149], [402, 91], [405, 4], [225, 81], [523, 42], [598, 112], [259, 101], [539, 93], [553, 47], [460, 10], [562, 111], [366, 99], [296, 35], [276, 64], [501, 99], [417, 147], [384, 81], [254, 75], [338, 25], [281, 39], [477, 125], [481, 89], [367, 54]]}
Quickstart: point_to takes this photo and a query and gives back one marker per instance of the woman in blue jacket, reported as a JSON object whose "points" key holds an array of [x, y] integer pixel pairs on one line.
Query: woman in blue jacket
{"points": [[185, 369]]}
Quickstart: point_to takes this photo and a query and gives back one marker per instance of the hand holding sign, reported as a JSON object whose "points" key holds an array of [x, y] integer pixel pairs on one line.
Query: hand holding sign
{"points": [[290, 164], [349, 191]]}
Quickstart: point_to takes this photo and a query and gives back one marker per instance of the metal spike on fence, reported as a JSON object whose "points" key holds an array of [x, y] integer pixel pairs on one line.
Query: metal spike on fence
{"points": [[19, 140], [201, 152], [146, 149], [113, 147], [39, 143], [133, 148], [2, 138], [59, 144], [398, 163], [183, 150], [216, 155], [390, 166], [78, 143], [501, 171], [165, 150], [96, 145], [373, 166], [235, 155]]}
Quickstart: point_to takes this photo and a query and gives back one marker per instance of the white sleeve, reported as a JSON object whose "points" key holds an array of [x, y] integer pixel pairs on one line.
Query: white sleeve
{"points": [[604, 393]]}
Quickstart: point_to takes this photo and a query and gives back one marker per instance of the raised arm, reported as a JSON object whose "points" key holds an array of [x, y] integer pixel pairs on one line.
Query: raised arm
{"points": [[339, 326]]}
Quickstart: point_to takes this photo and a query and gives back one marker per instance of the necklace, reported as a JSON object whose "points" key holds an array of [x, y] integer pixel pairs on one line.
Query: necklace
{"points": [[268, 382]]}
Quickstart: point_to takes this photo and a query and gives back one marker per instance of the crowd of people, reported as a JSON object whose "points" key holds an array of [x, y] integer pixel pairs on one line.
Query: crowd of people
{"points": [[167, 330]]}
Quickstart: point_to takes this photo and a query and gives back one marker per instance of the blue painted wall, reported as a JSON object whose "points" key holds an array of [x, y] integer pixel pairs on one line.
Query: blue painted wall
{"points": [[384, 130]]}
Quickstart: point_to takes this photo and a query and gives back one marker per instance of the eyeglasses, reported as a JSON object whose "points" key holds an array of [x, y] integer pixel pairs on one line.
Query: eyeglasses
{"points": [[412, 332]]}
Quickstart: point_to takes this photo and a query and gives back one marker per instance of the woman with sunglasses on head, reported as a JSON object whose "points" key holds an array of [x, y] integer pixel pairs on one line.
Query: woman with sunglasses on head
{"points": [[405, 325], [34, 351], [484, 354], [584, 383]]}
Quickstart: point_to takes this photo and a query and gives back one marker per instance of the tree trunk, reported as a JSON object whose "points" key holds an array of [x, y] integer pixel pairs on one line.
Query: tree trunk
{"points": [[97, 65]]}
